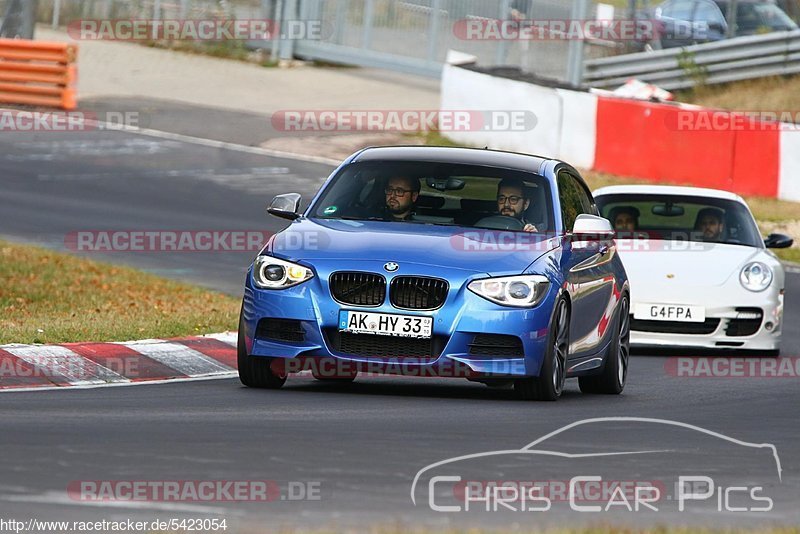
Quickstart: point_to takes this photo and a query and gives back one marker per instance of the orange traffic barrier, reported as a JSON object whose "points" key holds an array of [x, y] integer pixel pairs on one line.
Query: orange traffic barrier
{"points": [[38, 73]]}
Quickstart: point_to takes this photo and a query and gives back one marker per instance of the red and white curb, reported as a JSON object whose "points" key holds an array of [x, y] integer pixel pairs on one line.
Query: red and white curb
{"points": [[86, 365]]}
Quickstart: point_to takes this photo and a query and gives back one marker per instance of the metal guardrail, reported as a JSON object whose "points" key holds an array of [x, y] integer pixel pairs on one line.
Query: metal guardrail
{"points": [[730, 60]]}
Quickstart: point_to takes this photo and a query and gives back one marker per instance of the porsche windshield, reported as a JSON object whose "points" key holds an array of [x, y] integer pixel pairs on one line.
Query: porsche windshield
{"points": [[682, 218], [438, 193]]}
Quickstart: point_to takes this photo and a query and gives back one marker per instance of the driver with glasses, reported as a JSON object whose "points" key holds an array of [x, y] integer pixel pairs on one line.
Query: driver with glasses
{"points": [[401, 198], [512, 201]]}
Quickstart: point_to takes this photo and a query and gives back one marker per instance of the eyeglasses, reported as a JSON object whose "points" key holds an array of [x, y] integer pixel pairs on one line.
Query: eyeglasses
{"points": [[514, 200], [397, 191]]}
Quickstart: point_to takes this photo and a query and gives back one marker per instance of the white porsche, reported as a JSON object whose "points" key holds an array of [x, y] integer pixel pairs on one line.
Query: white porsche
{"points": [[701, 274]]}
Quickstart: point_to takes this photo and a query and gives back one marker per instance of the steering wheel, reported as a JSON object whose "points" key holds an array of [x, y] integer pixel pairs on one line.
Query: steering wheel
{"points": [[500, 222]]}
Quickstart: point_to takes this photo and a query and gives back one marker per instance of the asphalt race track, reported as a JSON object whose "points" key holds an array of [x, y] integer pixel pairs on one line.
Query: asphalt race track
{"points": [[355, 449]]}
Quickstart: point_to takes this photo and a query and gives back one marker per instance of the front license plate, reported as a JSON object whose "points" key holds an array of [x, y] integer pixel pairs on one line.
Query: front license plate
{"points": [[670, 312], [385, 324]]}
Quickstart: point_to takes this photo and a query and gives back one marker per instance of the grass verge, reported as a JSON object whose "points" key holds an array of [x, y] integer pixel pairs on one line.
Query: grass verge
{"points": [[779, 93], [49, 297]]}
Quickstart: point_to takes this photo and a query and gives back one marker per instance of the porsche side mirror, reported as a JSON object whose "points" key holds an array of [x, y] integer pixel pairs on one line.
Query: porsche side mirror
{"points": [[778, 241], [285, 206]]}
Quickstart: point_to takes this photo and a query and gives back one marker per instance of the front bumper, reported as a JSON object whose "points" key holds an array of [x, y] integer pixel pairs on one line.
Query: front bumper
{"points": [[464, 315], [724, 327]]}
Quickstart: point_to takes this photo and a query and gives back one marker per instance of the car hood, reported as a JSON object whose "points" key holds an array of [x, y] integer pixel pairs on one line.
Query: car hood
{"points": [[478, 251], [649, 262]]}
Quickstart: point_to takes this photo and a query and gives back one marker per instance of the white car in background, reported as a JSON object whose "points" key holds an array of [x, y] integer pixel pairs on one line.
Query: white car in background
{"points": [[701, 274]]}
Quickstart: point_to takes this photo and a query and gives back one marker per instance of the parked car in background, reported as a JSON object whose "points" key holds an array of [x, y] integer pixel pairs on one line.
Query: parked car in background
{"points": [[791, 8], [688, 22]]}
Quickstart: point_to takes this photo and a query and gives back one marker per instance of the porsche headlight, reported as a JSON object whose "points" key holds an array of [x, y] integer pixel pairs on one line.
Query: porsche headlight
{"points": [[274, 273], [522, 291], [756, 276]]}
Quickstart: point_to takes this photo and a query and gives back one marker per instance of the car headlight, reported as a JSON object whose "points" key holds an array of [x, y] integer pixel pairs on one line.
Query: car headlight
{"points": [[756, 276], [522, 291], [274, 273]]}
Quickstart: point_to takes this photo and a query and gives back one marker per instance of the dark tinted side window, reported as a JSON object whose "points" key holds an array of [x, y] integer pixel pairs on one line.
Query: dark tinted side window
{"points": [[574, 199]]}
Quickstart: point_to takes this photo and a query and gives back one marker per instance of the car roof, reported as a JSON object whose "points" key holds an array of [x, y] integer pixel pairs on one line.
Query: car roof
{"points": [[437, 154], [667, 190]]}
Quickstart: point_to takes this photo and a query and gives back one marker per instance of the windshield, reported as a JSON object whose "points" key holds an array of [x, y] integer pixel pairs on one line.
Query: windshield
{"points": [[682, 218], [438, 193], [761, 17]]}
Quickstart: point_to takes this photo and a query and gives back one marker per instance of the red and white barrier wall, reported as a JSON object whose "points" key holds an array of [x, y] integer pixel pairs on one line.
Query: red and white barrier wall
{"points": [[659, 142]]}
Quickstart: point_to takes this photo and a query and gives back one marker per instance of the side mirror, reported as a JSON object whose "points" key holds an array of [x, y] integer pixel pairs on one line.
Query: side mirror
{"points": [[591, 227], [778, 241], [285, 206]]}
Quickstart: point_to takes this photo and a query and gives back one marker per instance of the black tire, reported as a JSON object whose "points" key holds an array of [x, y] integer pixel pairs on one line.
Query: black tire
{"points": [[611, 381], [255, 371], [549, 385]]}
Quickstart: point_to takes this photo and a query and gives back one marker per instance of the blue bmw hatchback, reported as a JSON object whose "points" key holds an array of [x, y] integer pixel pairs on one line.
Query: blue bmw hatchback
{"points": [[433, 261]]}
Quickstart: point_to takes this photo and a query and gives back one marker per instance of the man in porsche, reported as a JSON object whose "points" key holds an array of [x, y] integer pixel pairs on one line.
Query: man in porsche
{"points": [[710, 223]]}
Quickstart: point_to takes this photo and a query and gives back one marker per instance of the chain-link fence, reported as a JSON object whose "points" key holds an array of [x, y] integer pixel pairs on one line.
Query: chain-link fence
{"points": [[406, 35]]}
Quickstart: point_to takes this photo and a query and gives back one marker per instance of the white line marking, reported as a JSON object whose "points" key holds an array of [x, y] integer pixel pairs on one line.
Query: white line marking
{"points": [[57, 498], [228, 146], [160, 134], [229, 338], [181, 358], [107, 126], [154, 382], [60, 361]]}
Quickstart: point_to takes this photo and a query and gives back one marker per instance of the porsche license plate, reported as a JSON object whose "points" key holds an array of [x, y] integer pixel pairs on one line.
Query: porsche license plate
{"points": [[385, 324], [670, 312]]}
